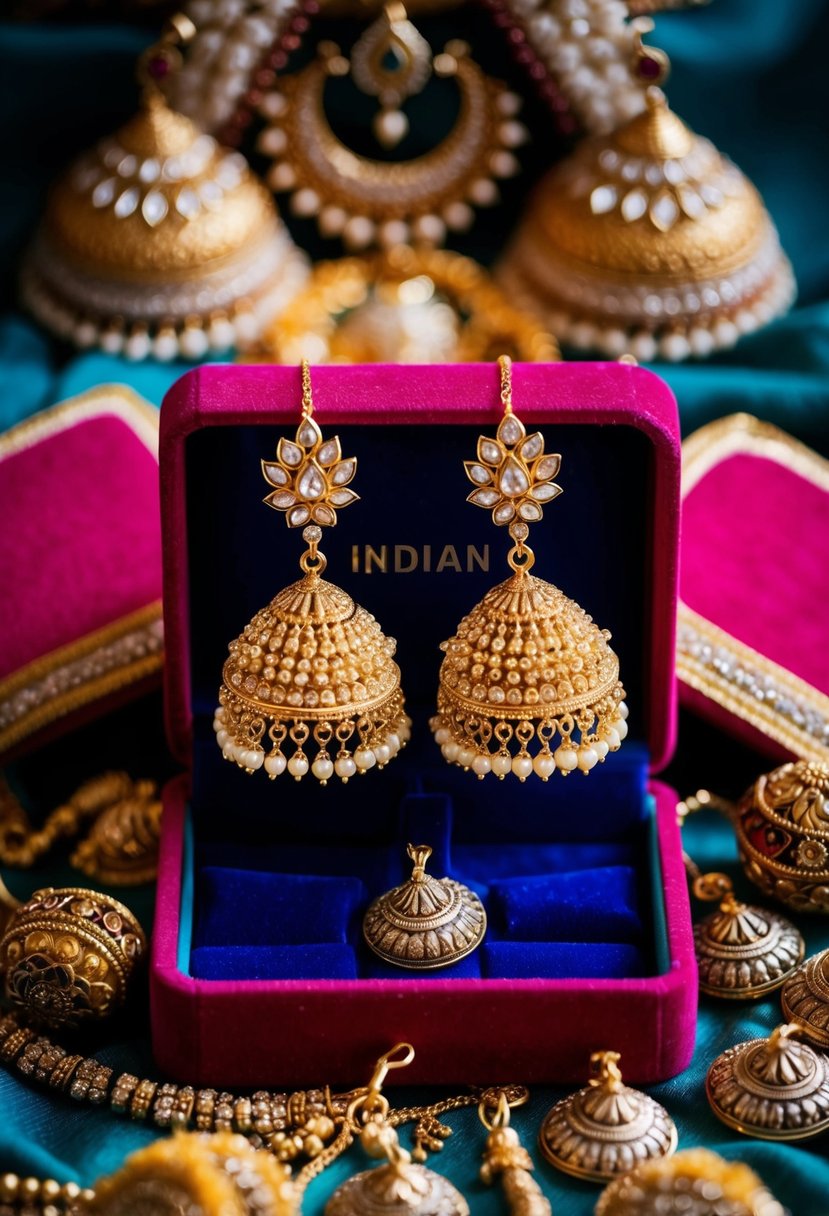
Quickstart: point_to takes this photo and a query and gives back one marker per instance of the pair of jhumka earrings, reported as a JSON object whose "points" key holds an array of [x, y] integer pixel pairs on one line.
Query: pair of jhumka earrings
{"points": [[528, 685]]}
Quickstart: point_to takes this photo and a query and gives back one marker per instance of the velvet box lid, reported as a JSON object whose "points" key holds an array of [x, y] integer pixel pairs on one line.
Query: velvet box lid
{"points": [[80, 551], [753, 637], [262, 885]]}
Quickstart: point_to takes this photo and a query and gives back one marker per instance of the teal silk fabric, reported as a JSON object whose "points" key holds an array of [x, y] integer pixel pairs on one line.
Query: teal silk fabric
{"points": [[751, 75]]}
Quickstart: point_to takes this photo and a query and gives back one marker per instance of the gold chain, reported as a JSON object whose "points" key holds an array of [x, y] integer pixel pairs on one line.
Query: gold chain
{"points": [[307, 398]]}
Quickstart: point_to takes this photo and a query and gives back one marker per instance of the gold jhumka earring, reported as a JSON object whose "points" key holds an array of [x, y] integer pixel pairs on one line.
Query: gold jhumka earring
{"points": [[312, 668], [527, 665]]}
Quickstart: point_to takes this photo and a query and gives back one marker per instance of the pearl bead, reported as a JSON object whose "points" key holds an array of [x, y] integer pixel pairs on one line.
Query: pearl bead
{"points": [[382, 754], [305, 202], [222, 737], [322, 768], [256, 758], [622, 710], [726, 333], [298, 766], [483, 191], [675, 347], [458, 216], [501, 764], [332, 220], [643, 347], [481, 765], [611, 738], [393, 743], [429, 228], [621, 728], [246, 326], [165, 346], [466, 756], [442, 736], [137, 346], [544, 765], [345, 767], [193, 342], [364, 758], [394, 232], [702, 342], [567, 759], [358, 232], [86, 334], [450, 752], [228, 749], [588, 758], [221, 335], [275, 764], [600, 748], [522, 766], [112, 341]]}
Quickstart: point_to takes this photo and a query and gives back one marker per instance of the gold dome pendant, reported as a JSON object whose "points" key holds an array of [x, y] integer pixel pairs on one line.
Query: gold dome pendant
{"points": [[427, 922], [607, 1128], [775, 1088], [527, 667], [312, 669]]}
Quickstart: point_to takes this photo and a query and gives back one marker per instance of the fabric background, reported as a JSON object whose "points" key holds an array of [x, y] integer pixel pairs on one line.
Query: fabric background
{"points": [[751, 75]]}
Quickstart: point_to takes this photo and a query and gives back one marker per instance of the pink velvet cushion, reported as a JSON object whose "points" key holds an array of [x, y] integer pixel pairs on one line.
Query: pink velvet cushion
{"points": [[80, 553], [754, 584]]}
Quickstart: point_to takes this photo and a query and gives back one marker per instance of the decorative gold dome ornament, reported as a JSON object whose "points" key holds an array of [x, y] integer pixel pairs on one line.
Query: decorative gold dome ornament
{"points": [[67, 955], [696, 1182], [782, 826], [404, 306], [158, 242], [606, 1128], [649, 241], [427, 922], [805, 999], [312, 668], [368, 201], [527, 664], [775, 1088], [215, 1175]]}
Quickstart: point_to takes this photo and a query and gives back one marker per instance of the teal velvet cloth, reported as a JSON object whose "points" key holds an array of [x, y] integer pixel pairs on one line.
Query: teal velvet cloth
{"points": [[751, 74]]}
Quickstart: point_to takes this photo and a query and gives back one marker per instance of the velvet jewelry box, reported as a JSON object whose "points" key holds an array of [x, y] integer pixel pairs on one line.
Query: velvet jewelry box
{"points": [[259, 975]]}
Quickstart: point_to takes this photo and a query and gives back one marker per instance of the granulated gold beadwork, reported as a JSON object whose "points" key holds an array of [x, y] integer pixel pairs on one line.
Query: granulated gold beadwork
{"points": [[805, 999], [744, 952], [696, 1182]]}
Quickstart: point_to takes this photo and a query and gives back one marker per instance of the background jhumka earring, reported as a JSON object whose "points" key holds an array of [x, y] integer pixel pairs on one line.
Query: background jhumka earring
{"points": [[367, 201], [606, 1128], [159, 242], [527, 664], [696, 1182], [312, 668], [508, 1162]]}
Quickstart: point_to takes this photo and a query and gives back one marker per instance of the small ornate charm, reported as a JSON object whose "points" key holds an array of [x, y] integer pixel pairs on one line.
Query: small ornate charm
{"points": [[805, 999], [68, 954], [775, 1088], [607, 1128], [506, 1160], [427, 922], [696, 1182], [121, 849], [782, 825], [527, 667]]}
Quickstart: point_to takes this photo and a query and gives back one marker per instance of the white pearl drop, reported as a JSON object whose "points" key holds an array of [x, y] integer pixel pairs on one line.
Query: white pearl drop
{"points": [[332, 220], [675, 347], [466, 756], [566, 759], [481, 765], [228, 749], [345, 767], [442, 736], [193, 343], [611, 738], [298, 766], [275, 764], [221, 334], [305, 202], [544, 765], [522, 766], [588, 758], [222, 737], [322, 768], [112, 341], [702, 342], [600, 748], [165, 346], [621, 728], [450, 752], [86, 334], [582, 335], [364, 758], [429, 228], [358, 232], [256, 758], [393, 743], [246, 326], [501, 764], [622, 710], [382, 754], [726, 333], [458, 216], [643, 347], [393, 232]]}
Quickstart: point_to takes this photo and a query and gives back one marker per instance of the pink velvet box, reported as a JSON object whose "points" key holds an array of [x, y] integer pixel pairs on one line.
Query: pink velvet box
{"points": [[753, 638], [80, 551], [617, 429]]}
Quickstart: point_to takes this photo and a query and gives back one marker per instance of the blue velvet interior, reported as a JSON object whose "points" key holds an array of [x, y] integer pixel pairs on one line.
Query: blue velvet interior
{"points": [[284, 870]]}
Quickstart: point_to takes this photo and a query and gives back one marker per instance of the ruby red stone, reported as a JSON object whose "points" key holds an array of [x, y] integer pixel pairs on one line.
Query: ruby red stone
{"points": [[290, 42], [264, 78], [299, 24], [158, 67], [538, 70], [516, 35], [649, 69]]}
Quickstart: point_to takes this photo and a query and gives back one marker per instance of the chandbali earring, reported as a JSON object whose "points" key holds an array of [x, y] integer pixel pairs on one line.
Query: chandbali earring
{"points": [[312, 667], [527, 665], [367, 201]]}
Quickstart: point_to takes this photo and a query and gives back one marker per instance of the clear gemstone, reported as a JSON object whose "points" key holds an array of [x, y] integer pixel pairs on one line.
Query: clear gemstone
{"points": [[312, 535], [329, 453], [127, 166], [154, 208], [342, 498], [489, 451], [187, 203], [546, 492], [298, 516], [603, 199], [653, 175], [712, 195], [344, 471], [504, 513], [275, 474], [149, 171], [674, 172], [289, 453], [282, 499], [547, 467], [308, 433], [230, 171], [518, 531], [484, 497], [664, 211], [512, 479], [127, 202], [311, 484], [479, 474], [691, 203], [211, 194], [634, 205], [530, 511], [172, 169], [324, 515], [511, 430], [532, 446], [631, 170], [104, 193]]}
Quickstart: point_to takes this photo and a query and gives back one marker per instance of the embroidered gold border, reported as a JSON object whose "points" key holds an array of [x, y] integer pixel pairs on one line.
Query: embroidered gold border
{"points": [[142, 419], [701, 452]]}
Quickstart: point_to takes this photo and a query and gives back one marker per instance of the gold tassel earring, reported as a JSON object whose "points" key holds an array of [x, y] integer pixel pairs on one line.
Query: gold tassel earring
{"points": [[527, 665], [312, 668]]}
